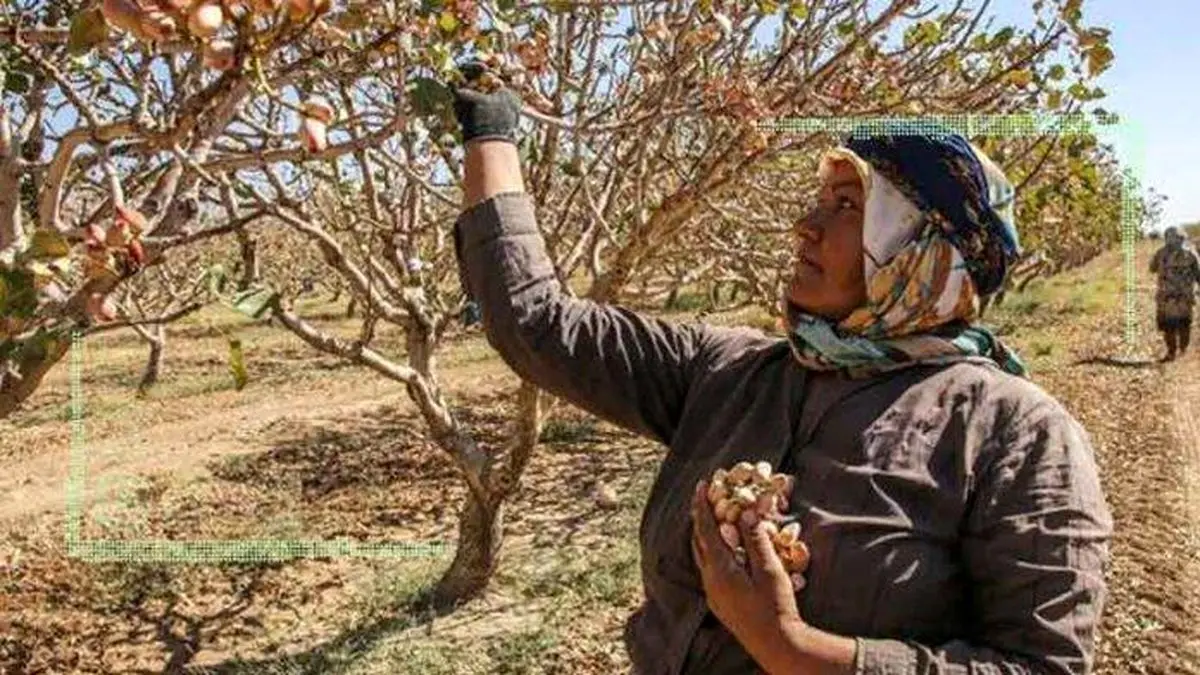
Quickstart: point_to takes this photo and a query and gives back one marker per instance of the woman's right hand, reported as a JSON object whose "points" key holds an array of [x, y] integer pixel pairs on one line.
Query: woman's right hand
{"points": [[485, 115]]}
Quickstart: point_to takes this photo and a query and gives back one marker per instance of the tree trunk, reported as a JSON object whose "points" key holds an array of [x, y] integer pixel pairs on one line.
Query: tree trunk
{"points": [[350, 308], [250, 261], [480, 532], [479, 537], [714, 296], [31, 369], [672, 299], [157, 342]]}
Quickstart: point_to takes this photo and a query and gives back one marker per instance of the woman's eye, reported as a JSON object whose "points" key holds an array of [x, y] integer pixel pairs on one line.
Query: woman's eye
{"points": [[845, 203]]}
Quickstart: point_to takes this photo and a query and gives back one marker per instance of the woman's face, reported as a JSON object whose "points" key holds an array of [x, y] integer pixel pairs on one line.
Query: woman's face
{"points": [[827, 274]]}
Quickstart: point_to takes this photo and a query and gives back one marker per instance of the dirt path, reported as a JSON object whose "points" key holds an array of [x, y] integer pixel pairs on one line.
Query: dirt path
{"points": [[236, 423], [1185, 396], [339, 453]]}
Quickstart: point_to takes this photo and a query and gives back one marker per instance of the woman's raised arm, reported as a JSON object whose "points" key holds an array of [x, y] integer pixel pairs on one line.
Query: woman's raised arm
{"points": [[632, 370]]}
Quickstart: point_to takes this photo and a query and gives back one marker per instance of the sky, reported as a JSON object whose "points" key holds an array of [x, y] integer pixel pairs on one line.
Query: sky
{"points": [[1154, 85]]}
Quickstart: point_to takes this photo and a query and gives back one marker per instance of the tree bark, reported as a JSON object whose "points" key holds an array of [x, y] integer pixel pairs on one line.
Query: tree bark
{"points": [[32, 369], [480, 534], [12, 231], [672, 298], [480, 531], [157, 341], [250, 261]]}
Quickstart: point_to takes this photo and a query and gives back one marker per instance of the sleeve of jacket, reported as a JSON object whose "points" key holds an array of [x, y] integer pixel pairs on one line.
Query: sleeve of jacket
{"points": [[632, 370]]}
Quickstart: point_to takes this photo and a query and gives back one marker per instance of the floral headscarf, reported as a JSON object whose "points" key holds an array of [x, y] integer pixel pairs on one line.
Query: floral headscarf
{"points": [[938, 233]]}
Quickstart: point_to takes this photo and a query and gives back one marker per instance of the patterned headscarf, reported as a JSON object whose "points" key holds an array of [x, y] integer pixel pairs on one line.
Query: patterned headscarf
{"points": [[938, 233]]}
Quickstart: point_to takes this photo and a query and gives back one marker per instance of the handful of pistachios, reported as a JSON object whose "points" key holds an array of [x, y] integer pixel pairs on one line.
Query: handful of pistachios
{"points": [[758, 487]]}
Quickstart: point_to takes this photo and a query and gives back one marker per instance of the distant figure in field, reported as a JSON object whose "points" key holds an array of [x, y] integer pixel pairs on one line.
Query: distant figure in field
{"points": [[1178, 270]]}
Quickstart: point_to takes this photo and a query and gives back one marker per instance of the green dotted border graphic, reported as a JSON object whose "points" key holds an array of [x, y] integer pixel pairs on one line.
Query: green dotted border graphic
{"points": [[270, 550], [197, 551]]}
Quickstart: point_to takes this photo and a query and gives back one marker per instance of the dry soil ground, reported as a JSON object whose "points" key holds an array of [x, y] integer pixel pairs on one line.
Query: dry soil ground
{"points": [[312, 448]]}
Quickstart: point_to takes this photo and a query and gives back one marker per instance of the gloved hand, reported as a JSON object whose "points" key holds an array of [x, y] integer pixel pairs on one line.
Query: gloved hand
{"points": [[485, 116]]}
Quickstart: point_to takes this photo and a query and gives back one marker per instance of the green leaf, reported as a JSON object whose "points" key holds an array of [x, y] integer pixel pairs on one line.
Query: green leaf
{"points": [[1056, 72], [88, 29], [21, 299], [798, 10], [17, 82], [953, 62], [255, 302], [1054, 100], [572, 167], [48, 244], [428, 96], [846, 28], [448, 22], [215, 278], [526, 149], [1072, 11], [237, 364], [1003, 36], [1020, 78], [924, 33], [768, 6]]}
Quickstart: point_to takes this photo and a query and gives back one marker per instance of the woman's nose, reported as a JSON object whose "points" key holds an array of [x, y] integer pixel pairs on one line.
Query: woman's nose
{"points": [[809, 228]]}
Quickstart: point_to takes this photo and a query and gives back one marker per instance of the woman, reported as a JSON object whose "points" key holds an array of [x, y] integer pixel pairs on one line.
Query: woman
{"points": [[1178, 271], [952, 509]]}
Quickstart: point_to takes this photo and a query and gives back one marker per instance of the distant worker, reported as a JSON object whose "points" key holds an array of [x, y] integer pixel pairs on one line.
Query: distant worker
{"points": [[1178, 270]]}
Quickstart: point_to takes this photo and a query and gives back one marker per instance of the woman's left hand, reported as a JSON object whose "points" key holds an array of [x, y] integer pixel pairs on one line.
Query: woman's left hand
{"points": [[757, 605]]}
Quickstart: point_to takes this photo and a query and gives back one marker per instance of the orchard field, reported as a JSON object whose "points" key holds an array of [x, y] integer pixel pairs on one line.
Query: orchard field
{"points": [[245, 207], [311, 448]]}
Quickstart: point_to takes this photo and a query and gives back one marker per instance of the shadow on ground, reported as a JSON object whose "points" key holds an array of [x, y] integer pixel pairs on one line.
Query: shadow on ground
{"points": [[343, 650]]}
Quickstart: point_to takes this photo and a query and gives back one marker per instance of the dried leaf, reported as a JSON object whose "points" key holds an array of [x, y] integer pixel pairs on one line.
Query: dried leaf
{"points": [[88, 29], [47, 244], [1098, 59]]}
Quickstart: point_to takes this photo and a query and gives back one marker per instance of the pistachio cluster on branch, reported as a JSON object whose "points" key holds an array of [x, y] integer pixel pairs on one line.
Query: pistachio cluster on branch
{"points": [[157, 21]]}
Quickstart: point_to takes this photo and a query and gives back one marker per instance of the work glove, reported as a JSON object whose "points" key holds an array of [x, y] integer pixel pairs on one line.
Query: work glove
{"points": [[484, 115]]}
